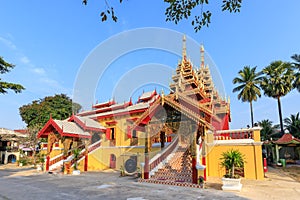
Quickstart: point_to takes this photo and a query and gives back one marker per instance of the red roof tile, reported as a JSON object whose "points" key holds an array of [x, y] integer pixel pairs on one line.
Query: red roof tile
{"points": [[287, 138]]}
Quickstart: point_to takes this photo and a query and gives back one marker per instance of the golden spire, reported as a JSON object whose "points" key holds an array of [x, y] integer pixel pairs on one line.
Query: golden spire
{"points": [[202, 55], [184, 47]]}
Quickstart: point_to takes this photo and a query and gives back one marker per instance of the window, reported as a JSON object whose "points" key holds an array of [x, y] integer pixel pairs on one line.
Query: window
{"points": [[112, 132], [134, 135]]}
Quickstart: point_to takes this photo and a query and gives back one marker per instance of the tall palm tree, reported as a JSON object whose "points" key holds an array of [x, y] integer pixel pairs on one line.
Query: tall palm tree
{"points": [[292, 124], [296, 65], [248, 87], [277, 82]]}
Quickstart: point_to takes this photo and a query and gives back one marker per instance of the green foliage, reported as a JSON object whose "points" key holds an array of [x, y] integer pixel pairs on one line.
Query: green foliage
{"points": [[38, 112], [248, 86], [268, 130], [278, 79], [178, 10], [277, 82], [296, 66], [5, 67], [76, 154], [230, 160], [292, 124]]}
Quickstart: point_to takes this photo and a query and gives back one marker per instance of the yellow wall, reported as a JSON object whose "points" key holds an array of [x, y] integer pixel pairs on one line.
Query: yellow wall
{"points": [[253, 168], [55, 150], [100, 158]]}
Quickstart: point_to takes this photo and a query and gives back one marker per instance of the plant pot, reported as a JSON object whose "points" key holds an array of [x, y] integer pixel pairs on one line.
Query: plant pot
{"points": [[231, 184], [39, 168], [76, 172]]}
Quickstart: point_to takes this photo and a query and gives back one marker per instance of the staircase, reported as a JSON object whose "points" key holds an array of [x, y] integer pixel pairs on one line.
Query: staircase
{"points": [[56, 163], [177, 171]]}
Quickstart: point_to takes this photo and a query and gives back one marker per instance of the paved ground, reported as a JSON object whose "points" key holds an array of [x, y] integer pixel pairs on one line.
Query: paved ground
{"points": [[26, 183]]}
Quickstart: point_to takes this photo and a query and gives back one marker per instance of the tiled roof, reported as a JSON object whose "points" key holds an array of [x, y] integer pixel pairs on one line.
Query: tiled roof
{"points": [[4, 131], [287, 138], [128, 109], [104, 104], [121, 107], [90, 122], [147, 95], [70, 127]]}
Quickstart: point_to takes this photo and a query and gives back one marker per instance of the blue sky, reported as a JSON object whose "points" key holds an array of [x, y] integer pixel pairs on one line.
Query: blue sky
{"points": [[48, 42]]}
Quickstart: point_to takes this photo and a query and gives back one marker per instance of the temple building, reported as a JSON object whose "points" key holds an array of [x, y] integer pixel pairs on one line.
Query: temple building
{"points": [[170, 138]]}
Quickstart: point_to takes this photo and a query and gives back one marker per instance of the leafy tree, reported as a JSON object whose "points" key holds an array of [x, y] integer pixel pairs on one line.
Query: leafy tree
{"points": [[38, 112], [5, 67], [296, 66], [178, 10], [292, 124], [268, 130], [248, 87], [277, 82], [230, 160], [32, 140]]}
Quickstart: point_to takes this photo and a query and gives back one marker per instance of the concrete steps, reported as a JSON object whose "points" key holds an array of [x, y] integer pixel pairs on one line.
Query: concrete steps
{"points": [[177, 171]]}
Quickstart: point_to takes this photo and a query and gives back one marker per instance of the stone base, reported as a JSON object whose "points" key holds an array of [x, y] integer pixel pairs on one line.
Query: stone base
{"points": [[76, 172], [230, 184]]}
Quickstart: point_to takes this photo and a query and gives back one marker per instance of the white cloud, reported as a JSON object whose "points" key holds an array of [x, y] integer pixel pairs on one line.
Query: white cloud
{"points": [[25, 60], [39, 71], [8, 43]]}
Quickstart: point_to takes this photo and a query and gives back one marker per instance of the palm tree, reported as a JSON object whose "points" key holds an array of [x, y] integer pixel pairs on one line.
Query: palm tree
{"points": [[296, 66], [230, 160], [268, 130], [277, 82], [292, 124], [248, 87]]}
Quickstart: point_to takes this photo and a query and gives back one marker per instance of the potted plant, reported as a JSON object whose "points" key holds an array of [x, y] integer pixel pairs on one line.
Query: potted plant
{"points": [[76, 154], [201, 181], [231, 160], [122, 171]]}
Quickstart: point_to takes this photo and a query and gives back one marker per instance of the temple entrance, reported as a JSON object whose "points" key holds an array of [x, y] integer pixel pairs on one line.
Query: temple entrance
{"points": [[11, 158], [112, 163]]}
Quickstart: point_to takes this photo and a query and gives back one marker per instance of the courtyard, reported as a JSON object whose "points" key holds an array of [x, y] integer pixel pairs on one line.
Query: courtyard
{"points": [[26, 183]]}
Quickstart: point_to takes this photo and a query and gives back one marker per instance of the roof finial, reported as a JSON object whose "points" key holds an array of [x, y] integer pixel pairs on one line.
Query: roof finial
{"points": [[202, 55], [184, 47]]}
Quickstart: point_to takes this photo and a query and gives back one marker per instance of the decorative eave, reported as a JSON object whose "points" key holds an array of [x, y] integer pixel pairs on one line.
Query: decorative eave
{"points": [[105, 104], [51, 122], [111, 123], [121, 113]]}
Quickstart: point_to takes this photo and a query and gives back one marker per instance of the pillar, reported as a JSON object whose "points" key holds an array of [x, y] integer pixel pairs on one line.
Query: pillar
{"points": [[47, 162], [194, 160], [277, 153], [86, 159], [146, 167]]}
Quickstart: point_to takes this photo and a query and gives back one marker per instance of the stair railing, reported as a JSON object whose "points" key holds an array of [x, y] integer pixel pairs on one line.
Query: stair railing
{"points": [[160, 158]]}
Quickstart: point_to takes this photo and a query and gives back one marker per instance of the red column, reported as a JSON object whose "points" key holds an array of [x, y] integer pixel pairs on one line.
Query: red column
{"points": [[265, 165], [194, 170], [86, 159], [204, 163], [146, 167], [47, 163]]}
